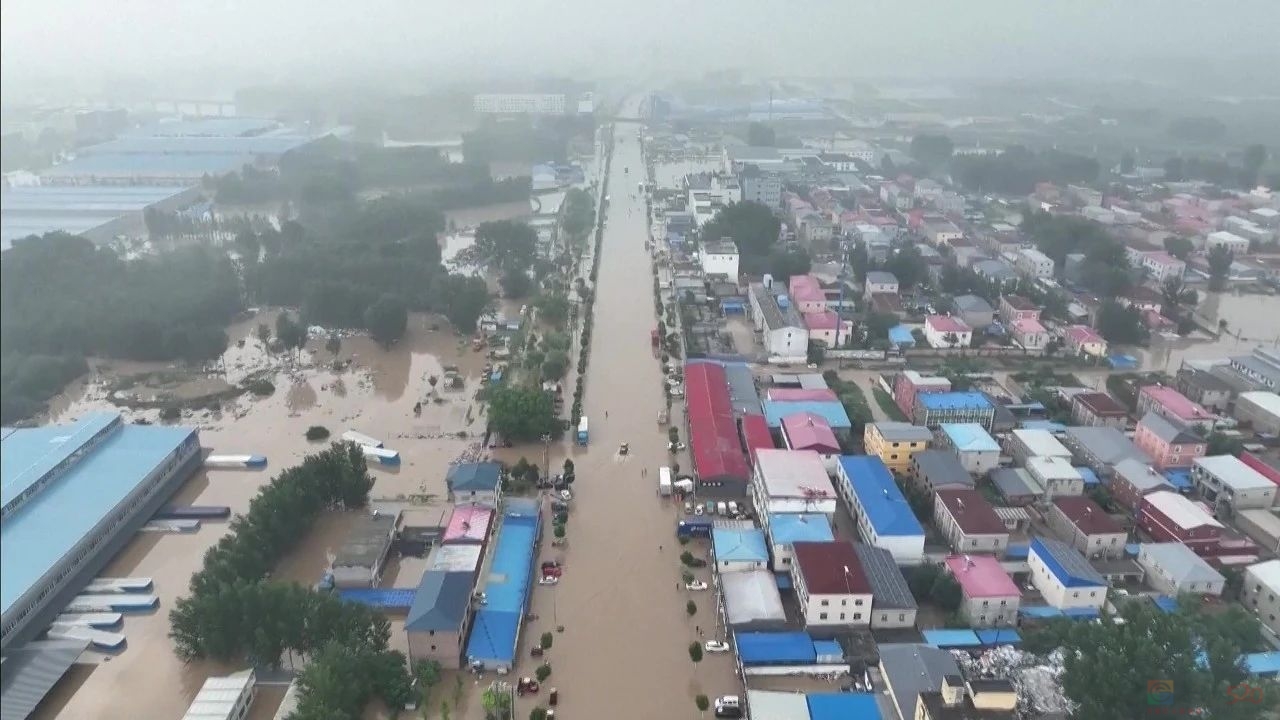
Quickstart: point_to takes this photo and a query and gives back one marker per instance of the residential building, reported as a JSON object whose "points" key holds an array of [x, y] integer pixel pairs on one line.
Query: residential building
{"points": [[838, 162], [996, 271], [991, 598], [978, 452], [1025, 444], [879, 282], [739, 549], [828, 328], [1228, 482], [1168, 402], [1262, 366], [1101, 448], [1033, 263], [1098, 409], [912, 671], [1084, 340], [1133, 480], [1159, 266], [520, 103], [791, 481], [892, 605], [224, 698], [1262, 526], [968, 522], [895, 443], [786, 529], [1062, 575], [1030, 334], [1086, 196], [1259, 410], [1211, 391], [830, 584], [1168, 443], [758, 186], [1174, 569], [1015, 307], [362, 557], [439, 617], [1261, 592], [1056, 475], [708, 193], [942, 233], [934, 409], [961, 699], [1087, 527], [1016, 486], [783, 333], [738, 157], [945, 331], [895, 196], [881, 513], [1170, 517], [809, 431], [909, 383], [973, 310], [806, 294], [720, 258], [1232, 242], [474, 483], [933, 470]]}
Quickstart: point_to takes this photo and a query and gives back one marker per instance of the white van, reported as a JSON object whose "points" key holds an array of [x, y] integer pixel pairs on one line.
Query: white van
{"points": [[664, 480], [733, 508], [722, 508]]}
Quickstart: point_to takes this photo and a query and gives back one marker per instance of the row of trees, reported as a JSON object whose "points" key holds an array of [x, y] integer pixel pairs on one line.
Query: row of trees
{"points": [[233, 613], [1017, 170], [1106, 269]]}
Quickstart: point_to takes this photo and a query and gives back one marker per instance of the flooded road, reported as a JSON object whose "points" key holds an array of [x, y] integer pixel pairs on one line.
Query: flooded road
{"points": [[1251, 321], [624, 648]]}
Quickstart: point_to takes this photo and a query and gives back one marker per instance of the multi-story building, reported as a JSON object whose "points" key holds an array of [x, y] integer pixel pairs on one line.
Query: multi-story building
{"points": [[1159, 266], [1168, 443], [1262, 366], [1174, 569], [1261, 592], [892, 605], [1030, 334], [830, 584], [1211, 391], [720, 258], [806, 294], [791, 481], [1102, 448], [1227, 482], [1015, 307], [968, 522], [1025, 444], [520, 103], [1033, 263], [880, 512], [933, 470], [990, 597], [1087, 527], [786, 529], [783, 333], [1260, 410], [437, 623], [940, 233], [1170, 517], [1097, 409], [1133, 480], [909, 383], [934, 409], [758, 186], [1232, 242], [945, 331], [1062, 575], [474, 484], [895, 443], [977, 451], [1168, 402], [973, 310], [737, 549], [1056, 475], [879, 282], [1084, 340]]}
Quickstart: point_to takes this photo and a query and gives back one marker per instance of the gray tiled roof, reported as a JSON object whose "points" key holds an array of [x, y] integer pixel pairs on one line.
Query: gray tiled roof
{"points": [[1168, 431], [888, 587], [911, 669], [942, 468]]}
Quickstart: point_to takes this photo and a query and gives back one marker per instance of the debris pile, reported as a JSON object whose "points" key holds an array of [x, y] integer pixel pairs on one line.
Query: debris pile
{"points": [[1037, 679]]}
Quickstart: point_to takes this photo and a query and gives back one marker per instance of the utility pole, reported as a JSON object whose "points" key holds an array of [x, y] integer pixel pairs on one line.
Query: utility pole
{"points": [[546, 455]]}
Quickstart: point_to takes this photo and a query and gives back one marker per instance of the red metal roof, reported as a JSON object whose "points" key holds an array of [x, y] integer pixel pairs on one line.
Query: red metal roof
{"points": [[972, 512], [756, 435], [823, 566], [800, 394], [713, 433], [807, 431]]}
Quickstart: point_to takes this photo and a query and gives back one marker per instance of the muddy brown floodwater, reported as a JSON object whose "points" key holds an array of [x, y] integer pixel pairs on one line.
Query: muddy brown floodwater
{"points": [[1252, 320]]}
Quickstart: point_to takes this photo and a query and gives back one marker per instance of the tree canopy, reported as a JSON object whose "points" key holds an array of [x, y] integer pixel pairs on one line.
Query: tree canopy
{"points": [[753, 227], [1178, 246], [387, 319], [1220, 259], [1120, 324], [506, 245], [1017, 170], [521, 413], [1106, 268]]}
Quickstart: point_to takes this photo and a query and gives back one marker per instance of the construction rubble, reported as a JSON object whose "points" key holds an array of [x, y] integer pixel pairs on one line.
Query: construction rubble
{"points": [[1037, 679]]}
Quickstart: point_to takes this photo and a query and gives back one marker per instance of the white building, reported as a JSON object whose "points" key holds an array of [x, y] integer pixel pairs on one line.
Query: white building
{"points": [[1025, 444], [1056, 476], [223, 698], [1230, 241], [830, 584], [1227, 481], [1174, 568], [883, 515], [1064, 577], [782, 330], [1033, 263], [1261, 592], [720, 258], [520, 103], [942, 233], [945, 331], [880, 282], [792, 481]]}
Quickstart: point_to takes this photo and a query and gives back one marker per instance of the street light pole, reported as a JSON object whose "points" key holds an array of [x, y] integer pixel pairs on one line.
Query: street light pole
{"points": [[546, 455]]}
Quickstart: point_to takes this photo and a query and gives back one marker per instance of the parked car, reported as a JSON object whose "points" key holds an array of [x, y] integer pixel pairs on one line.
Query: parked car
{"points": [[716, 646], [549, 580], [695, 585], [688, 507], [729, 711], [552, 572]]}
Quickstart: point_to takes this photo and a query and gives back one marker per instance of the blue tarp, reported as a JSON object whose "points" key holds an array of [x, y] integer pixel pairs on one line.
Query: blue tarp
{"points": [[828, 649], [1179, 478], [952, 638], [1090, 477], [1039, 611], [843, 706], [900, 335], [1017, 552], [1082, 613], [1165, 603], [390, 599], [1126, 362], [732, 305], [1132, 549], [1047, 425], [777, 648], [998, 636]]}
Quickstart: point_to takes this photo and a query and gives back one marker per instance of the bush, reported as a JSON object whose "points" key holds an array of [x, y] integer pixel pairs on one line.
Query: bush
{"points": [[702, 702], [261, 388], [170, 413], [546, 640], [695, 652], [543, 672], [691, 607], [559, 532], [317, 432], [685, 576], [687, 558]]}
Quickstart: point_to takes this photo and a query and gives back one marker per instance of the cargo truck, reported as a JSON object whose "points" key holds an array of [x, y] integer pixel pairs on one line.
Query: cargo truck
{"points": [[694, 527], [582, 430]]}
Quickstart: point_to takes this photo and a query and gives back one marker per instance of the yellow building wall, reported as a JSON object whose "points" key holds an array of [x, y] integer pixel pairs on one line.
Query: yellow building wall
{"points": [[897, 459]]}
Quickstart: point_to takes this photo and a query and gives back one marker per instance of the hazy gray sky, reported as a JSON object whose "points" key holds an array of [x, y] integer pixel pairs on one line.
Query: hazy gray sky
{"points": [[245, 41]]}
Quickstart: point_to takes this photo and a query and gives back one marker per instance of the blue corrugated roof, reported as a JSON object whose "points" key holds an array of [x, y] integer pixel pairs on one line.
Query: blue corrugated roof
{"points": [[739, 545], [942, 638], [830, 410], [887, 510], [49, 524], [1066, 563], [185, 165], [970, 437], [788, 528], [1039, 611], [901, 335], [827, 648], [497, 625], [953, 400], [1047, 425], [380, 598], [474, 477], [775, 648], [991, 637], [1017, 552], [843, 706]]}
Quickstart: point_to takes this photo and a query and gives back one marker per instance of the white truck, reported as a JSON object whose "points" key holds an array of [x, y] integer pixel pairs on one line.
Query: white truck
{"points": [[664, 481]]}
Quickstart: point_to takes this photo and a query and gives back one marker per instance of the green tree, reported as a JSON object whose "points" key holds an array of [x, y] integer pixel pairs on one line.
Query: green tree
{"points": [[427, 673], [546, 640], [522, 414], [922, 578], [932, 151], [753, 227], [543, 672], [248, 246], [761, 135], [858, 261], [691, 608], [553, 307], [908, 266], [702, 702], [463, 300], [291, 334], [1120, 324], [507, 245], [946, 592], [784, 263], [555, 365], [538, 713], [1220, 259], [695, 652], [1178, 246], [387, 319]]}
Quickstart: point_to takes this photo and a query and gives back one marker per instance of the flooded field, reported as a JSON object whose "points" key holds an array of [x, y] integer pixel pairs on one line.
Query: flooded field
{"points": [[1252, 320], [670, 174]]}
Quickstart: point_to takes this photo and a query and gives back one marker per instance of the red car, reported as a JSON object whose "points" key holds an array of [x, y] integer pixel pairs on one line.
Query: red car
{"points": [[551, 571]]}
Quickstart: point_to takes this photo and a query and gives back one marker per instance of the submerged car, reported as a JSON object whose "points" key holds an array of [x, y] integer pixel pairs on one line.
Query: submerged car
{"points": [[716, 646], [695, 585], [549, 580]]}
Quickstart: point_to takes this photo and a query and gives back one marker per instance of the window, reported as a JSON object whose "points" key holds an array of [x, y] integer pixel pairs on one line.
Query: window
{"points": [[825, 603], [822, 616], [844, 601], [982, 618], [986, 603], [858, 602], [895, 445], [856, 616], [902, 617], [1075, 594], [893, 457]]}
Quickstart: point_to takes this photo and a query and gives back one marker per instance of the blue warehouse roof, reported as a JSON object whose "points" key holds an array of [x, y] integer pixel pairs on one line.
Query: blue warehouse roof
{"points": [[970, 437], [1066, 563], [776, 648], [788, 528], [953, 400], [830, 410], [887, 510], [474, 477], [739, 545], [843, 706]]}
